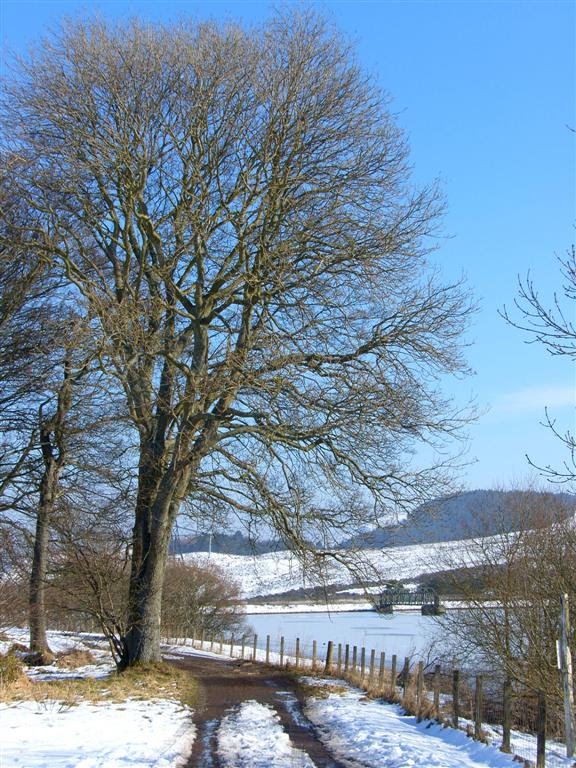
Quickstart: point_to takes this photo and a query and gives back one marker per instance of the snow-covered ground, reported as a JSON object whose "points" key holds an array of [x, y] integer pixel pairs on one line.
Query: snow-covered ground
{"points": [[382, 736], [45, 733], [125, 735], [363, 733]]}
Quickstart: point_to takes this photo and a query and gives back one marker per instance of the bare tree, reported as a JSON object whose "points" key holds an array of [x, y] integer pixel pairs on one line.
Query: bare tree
{"points": [[511, 583], [87, 582], [235, 210], [552, 325]]}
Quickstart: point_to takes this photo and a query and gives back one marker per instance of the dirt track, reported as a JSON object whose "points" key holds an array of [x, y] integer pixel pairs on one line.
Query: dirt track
{"points": [[224, 685]]}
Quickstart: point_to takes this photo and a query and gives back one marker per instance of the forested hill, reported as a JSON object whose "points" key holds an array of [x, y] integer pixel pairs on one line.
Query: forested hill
{"points": [[223, 543], [470, 514]]}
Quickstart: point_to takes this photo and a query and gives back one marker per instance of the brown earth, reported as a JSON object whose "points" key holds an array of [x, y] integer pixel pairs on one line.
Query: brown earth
{"points": [[224, 685]]}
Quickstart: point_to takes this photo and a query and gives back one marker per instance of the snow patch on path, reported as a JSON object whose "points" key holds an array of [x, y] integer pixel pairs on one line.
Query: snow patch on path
{"points": [[251, 737]]}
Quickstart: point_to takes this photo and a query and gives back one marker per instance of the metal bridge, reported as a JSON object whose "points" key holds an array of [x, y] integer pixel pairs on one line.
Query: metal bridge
{"points": [[426, 597]]}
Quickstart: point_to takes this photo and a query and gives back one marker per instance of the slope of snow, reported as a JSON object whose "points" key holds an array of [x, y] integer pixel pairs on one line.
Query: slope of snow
{"points": [[252, 737], [278, 572]]}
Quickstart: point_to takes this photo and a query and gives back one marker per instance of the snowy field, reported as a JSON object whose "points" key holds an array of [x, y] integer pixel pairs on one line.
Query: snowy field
{"points": [[362, 733], [278, 572]]}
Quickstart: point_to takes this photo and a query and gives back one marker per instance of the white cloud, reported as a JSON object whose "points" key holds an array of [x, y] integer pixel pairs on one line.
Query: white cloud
{"points": [[534, 399]]}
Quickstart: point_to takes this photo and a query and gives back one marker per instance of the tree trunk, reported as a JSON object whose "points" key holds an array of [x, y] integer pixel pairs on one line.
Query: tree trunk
{"points": [[37, 608], [145, 601], [52, 446], [152, 532]]}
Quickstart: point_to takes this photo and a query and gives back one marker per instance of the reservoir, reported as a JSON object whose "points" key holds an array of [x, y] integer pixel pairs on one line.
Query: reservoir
{"points": [[404, 633]]}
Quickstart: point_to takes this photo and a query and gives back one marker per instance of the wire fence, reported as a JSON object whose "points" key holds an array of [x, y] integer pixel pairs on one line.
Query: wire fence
{"points": [[488, 707]]}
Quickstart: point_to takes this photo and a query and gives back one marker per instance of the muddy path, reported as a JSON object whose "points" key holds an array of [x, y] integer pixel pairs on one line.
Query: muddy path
{"points": [[224, 685]]}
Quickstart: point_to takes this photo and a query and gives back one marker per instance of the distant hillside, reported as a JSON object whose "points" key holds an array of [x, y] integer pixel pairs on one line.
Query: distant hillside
{"points": [[470, 514], [462, 516]]}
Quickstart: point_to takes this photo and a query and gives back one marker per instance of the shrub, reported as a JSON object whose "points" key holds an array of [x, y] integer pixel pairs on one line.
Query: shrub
{"points": [[11, 669]]}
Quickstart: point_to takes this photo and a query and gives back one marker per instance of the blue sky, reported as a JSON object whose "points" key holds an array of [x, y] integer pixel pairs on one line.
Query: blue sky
{"points": [[485, 92]]}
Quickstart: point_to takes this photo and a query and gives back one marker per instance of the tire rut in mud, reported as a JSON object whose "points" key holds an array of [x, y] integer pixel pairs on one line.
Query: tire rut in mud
{"points": [[224, 685]]}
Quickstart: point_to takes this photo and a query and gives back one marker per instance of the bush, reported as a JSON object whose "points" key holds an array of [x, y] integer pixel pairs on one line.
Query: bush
{"points": [[199, 598]]}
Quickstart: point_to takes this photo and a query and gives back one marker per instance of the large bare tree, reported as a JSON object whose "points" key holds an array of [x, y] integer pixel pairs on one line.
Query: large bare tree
{"points": [[235, 210]]}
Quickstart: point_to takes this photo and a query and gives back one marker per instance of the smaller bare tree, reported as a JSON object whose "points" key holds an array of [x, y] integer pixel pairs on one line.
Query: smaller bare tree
{"points": [[88, 583], [552, 325], [511, 583]]}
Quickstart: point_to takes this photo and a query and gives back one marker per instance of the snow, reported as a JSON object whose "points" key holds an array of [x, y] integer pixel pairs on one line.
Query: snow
{"points": [[49, 733], [373, 733], [46, 733], [380, 735], [250, 735], [255, 609]]}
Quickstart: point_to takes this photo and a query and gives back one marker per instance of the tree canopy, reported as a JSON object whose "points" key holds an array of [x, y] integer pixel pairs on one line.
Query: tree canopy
{"points": [[231, 210]]}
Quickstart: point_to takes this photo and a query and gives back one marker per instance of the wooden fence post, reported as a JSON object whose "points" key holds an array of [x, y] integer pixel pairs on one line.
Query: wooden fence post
{"points": [[436, 685], [267, 649], [339, 658], [329, 653], [405, 674], [478, 707], [297, 652], [506, 715], [541, 731], [381, 672], [314, 655], [254, 647], [393, 676], [282, 651], [372, 668], [455, 697], [347, 659], [419, 689], [243, 647], [565, 659], [362, 664]]}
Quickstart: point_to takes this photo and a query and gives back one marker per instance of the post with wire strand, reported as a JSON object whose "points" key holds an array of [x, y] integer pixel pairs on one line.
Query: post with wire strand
{"points": [[565, 667]]}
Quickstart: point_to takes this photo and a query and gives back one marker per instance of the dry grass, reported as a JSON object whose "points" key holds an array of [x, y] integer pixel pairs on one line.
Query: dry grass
{"points": [[11, 669], [142, 682], [320, 690], [74, 658]]}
